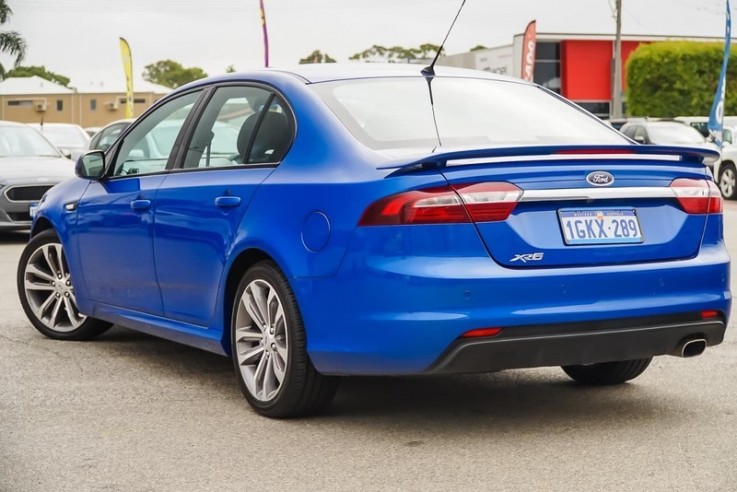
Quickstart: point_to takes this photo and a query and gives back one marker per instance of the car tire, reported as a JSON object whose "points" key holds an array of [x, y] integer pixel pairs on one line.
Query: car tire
{"points": [[728, 181], [46, 292], [269, 348], [607, 373]]}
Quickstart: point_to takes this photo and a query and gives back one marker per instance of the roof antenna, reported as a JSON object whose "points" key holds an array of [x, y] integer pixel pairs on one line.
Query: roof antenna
{"points": [[429, 71]]}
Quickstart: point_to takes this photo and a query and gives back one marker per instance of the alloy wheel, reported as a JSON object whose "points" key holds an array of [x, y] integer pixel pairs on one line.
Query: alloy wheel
{"points": [[261, 340], [49, 289], [727, 182]]}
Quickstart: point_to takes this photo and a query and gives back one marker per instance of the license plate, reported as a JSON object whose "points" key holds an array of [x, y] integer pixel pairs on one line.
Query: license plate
{"points": [[32, 209], [600, 226]]}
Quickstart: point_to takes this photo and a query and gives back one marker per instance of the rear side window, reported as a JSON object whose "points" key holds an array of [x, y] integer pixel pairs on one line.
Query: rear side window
{"points": [[240, 125]]}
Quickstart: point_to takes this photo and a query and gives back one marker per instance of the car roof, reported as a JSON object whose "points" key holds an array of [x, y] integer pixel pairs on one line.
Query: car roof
{"points": [[655, 121], [54, 124], [11, 123], [324, 72]]}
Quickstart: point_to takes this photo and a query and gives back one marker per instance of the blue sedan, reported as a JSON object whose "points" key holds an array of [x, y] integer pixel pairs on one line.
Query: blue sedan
{"points": [[381, 220]]}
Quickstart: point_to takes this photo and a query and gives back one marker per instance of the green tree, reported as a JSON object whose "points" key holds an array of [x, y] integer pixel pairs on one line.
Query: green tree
{"points": [[479, 47], [673, 78], [171, 74], [41, 71], [396, 54], [230, 69], [11, 42], [317, 56]]}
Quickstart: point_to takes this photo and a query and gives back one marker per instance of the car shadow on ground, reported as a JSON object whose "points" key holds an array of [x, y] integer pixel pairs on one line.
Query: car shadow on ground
{"points": [[539, 397]]}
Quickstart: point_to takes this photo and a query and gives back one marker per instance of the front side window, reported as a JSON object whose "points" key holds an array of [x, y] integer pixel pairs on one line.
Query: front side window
{"points": [[385, 113], [146, 149], [241, 125]]}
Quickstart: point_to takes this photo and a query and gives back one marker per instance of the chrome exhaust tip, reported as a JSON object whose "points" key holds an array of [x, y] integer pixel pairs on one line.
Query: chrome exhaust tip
{"points": [[689, 347]]}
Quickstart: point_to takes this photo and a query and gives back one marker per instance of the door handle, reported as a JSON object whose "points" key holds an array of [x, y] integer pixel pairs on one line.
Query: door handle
{"points": [[140, 204], [228, 201]]}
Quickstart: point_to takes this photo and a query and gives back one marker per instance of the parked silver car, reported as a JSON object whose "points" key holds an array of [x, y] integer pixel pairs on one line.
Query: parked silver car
{"points": [[29, 166], [71, 139], [666, 132]]}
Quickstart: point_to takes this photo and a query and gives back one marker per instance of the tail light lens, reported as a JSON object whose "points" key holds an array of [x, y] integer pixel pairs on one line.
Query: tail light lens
{"points": [[489, 202], [697, 196], [479, 202]]}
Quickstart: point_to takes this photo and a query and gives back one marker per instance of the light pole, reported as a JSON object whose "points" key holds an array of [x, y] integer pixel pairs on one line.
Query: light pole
{"points": [[616, 109]]}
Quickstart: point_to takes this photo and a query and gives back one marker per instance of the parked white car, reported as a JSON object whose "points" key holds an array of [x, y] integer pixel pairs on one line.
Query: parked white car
{"points": [[71, 139], [725, 171]]}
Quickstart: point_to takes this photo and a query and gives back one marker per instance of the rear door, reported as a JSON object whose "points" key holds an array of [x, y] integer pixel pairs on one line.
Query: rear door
{"points": [[240, 137], [589, 211]]}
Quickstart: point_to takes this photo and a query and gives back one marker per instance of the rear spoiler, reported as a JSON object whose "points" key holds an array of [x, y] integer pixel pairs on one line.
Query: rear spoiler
{"points": [[553, 152]]}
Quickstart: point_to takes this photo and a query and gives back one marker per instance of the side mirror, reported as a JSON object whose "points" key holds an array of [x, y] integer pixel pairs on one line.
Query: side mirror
{"points": [[639, 139], [91, 165]]}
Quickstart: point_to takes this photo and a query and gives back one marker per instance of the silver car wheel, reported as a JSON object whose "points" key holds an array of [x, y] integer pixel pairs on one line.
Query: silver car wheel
{"points": [[261, 340], [727, 181], [49, 290]]}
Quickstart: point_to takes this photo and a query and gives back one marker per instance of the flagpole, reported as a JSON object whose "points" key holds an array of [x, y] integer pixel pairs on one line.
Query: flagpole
{"points": [[616, 110], [266, 33]]}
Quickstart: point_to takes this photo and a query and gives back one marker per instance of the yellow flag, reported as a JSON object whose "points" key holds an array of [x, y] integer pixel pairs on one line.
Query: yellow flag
{"points": [[125, 52]]}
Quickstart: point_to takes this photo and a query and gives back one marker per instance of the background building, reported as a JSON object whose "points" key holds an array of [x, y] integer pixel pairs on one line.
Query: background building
{"points": [[37, 100], [577, 66]]}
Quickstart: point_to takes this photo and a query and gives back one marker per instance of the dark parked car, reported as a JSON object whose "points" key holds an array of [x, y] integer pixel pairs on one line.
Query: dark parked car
{"points": [[368, 219]]}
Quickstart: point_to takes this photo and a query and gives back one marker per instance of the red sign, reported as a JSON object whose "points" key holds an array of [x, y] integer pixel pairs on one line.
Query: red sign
{"points": [[528, 51]]}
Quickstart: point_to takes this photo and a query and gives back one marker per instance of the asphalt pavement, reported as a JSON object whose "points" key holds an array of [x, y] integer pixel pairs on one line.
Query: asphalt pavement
{"points": [[129, 412]]}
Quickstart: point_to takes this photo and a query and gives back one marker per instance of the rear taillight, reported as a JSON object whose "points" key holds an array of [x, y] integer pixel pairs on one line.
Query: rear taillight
{"points": [[697, 196], [489, 202], [479, 202]]}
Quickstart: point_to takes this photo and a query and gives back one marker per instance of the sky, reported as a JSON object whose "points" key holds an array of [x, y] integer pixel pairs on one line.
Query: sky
{"points": [[79, 38]]}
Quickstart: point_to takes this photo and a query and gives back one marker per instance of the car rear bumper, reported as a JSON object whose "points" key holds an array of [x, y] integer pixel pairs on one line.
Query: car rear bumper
{"points": [[577, 343], [383, 315]]}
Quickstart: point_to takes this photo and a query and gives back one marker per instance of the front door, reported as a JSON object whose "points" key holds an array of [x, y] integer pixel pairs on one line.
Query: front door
{"points": [[114, 230]]}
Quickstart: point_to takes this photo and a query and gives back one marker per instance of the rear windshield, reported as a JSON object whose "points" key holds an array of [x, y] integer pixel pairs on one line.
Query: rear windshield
{"points": [[386, 113]]}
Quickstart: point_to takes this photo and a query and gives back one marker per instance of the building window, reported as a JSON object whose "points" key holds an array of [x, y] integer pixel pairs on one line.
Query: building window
{"points": [[20, 102], [547, 65], [139, 100], [60, 105], [599, 108], [93, 104]]}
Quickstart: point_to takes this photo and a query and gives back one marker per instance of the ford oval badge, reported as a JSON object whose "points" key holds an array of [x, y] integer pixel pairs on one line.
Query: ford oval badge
{"points": [[600, 178]]}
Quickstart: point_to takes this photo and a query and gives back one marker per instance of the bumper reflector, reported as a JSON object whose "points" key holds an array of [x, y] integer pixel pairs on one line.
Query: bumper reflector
{"points": [[482, 332], [709, 314]]}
